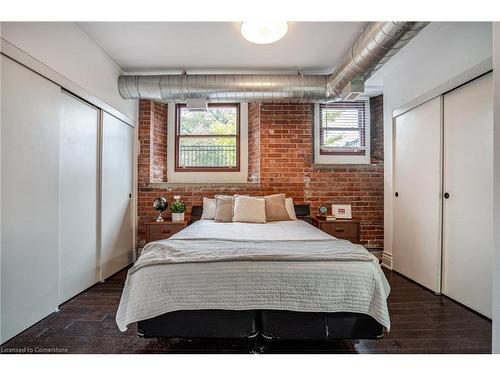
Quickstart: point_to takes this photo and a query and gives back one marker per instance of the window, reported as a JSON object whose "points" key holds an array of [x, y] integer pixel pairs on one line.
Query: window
{"points": [[208, 140], [342, 128], [341, 133]]}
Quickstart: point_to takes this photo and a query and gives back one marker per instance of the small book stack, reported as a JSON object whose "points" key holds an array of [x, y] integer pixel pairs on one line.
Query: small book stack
{"points": [[326, 217]]}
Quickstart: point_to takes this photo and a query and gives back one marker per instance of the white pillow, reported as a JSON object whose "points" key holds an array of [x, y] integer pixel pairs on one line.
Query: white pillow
{"points": [[208, 209], [249, 209], [290, 208]]}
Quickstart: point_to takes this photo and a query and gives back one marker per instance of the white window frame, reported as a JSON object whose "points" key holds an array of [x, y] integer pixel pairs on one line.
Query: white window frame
{"points": [[207, 176], [340, 159]]}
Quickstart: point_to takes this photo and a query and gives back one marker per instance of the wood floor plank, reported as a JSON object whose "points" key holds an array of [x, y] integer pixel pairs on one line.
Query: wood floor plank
{"points": [[421, 322]]}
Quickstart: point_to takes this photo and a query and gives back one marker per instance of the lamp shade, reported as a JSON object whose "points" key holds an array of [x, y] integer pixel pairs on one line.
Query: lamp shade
{"points": [[263, 32]]}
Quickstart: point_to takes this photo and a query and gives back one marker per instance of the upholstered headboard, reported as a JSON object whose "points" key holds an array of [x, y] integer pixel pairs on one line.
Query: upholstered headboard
{"points": [[302, 211]]}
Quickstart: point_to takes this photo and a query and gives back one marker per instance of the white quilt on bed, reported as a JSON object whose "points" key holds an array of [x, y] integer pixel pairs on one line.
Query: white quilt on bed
{"points": [[236, 266]]}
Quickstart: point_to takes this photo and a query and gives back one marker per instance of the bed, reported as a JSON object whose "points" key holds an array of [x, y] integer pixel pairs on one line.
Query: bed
{"points": [[279, 280]]}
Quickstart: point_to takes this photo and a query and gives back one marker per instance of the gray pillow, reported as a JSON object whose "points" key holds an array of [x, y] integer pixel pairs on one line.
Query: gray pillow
{"points": [[276, 208], [208, 209], [223, 208]]}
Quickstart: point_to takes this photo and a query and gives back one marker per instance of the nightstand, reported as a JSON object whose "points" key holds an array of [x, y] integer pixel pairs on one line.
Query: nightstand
{"points": [[342, 229], [161, 231]]}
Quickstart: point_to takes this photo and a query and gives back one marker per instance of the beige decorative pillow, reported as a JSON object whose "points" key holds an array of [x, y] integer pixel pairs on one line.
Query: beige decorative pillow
{"points": [[222, 196], [275, 208], [208, 209], [249, 209], [290, 208], [223, 208]]}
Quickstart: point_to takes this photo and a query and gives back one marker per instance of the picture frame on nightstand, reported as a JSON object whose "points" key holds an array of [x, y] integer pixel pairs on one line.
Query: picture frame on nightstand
{"points": [[342, 211]]}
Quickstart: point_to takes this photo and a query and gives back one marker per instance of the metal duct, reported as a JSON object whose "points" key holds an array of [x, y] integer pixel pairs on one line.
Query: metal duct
{"points": [[224, 87], [376, 45]]}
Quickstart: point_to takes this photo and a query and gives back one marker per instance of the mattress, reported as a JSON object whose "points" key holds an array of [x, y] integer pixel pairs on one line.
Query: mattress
{"points": [[288, 265]]}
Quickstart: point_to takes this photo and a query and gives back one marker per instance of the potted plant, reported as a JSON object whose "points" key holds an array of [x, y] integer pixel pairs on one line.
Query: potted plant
{"points": [[178, 207]]}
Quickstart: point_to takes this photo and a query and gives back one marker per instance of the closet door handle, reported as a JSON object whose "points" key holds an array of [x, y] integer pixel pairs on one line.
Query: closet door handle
{"points": [[396, 194], [446, 195]]}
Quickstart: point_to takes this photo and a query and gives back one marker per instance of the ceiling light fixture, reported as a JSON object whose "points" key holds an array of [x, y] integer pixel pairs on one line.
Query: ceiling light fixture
{"points": [[263, 32]]}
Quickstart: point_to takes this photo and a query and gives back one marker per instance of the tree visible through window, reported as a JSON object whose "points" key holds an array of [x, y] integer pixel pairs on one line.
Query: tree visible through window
{"points": [[208, 140], [342, 128]]}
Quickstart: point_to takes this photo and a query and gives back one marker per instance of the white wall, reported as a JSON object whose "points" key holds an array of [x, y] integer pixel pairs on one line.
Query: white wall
{"points": [[432, 60], [65, 48], [496, 254]]}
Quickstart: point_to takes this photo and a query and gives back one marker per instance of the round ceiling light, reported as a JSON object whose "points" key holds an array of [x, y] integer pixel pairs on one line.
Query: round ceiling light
{"points": [[263, 32]]}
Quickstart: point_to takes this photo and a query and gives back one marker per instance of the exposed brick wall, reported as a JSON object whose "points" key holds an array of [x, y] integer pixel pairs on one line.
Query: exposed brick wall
{"points": [[144, 157], [377, 129], [253, 142], [280, 160], [362, 188], [152, 158], [159, 144], [285, 148]]}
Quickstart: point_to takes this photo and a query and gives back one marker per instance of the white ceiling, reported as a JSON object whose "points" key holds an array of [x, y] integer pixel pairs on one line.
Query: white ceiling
{"points": [[311, 47]]}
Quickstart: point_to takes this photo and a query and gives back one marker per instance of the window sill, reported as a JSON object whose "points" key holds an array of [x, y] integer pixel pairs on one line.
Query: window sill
{"points": [[213, 185], [348, 166]]}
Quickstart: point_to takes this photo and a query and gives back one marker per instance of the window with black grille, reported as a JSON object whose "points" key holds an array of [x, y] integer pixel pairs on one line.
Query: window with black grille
{"points": [[208, 140]]}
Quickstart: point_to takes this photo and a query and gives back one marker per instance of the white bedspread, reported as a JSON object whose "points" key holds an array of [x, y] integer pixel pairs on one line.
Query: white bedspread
{"points": [[281, 265]]}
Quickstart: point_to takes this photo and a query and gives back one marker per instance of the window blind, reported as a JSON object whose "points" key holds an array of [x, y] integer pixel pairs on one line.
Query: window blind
{"points": [[342, 128]]}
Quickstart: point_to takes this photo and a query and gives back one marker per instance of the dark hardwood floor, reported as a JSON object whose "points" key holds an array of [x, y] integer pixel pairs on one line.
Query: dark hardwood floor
{"points": [[421, 323]]}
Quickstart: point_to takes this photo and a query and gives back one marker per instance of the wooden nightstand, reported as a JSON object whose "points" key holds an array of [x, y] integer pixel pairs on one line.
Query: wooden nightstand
{"points": [[161, 231], [343, 229]]}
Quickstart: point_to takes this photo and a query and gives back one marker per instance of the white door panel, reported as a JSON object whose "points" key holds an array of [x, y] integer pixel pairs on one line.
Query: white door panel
{"points": [[417, 181], [29, 197], [117, 187], [77, 196], [468, 178]]}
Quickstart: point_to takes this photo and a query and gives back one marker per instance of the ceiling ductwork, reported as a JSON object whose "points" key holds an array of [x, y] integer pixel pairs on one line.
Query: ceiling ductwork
{"points": [[375, 46]]}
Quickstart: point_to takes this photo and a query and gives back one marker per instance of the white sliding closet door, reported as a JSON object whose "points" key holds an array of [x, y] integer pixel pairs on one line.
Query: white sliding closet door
{"points": [[78, 186], [417, 182], [468, 178], [117, 188], [29, 197]]}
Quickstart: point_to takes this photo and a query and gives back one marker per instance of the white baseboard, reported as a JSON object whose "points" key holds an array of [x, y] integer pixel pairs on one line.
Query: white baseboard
{"points": [[387, 260], [115, 264]]}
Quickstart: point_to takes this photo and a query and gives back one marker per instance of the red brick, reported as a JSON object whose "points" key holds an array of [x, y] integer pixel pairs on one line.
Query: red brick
{"points": [[280, 157]]}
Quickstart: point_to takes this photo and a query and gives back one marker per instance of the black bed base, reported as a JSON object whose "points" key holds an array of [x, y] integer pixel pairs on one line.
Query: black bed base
{"points": [[262, 324]]}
